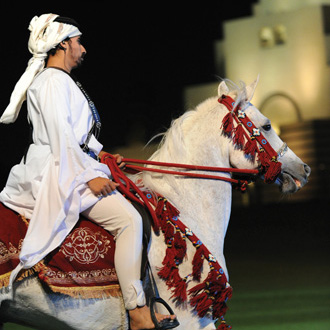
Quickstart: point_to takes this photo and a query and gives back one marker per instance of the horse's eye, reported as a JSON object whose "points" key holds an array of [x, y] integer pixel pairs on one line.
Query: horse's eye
{"points": [[267, 127]]}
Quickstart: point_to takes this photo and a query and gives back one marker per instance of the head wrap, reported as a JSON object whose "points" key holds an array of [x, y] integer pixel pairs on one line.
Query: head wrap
{"points": [[45, 34]]}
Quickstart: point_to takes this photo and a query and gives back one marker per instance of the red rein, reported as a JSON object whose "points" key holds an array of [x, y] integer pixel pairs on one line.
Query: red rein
{"points": [[241, 183], [267, 156]]}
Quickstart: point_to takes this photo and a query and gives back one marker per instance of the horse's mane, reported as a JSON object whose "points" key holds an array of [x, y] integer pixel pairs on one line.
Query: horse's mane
{"points": [[172, 144]]}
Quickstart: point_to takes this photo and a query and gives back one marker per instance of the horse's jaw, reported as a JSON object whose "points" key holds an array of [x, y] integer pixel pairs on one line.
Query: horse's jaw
{"points": [[289, 184]]}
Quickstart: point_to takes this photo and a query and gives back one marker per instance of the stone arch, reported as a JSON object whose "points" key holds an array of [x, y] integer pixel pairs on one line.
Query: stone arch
{"points": [[292, 107]]}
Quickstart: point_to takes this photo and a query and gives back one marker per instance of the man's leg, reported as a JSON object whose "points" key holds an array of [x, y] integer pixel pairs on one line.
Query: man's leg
{"points": [[115, 214]]}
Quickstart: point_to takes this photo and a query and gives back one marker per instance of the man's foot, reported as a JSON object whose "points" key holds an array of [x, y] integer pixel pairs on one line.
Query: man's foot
{"points": [[140, 318]]}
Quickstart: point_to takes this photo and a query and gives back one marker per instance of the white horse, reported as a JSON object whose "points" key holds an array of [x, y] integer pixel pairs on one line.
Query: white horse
{"points": [[204, 205]]}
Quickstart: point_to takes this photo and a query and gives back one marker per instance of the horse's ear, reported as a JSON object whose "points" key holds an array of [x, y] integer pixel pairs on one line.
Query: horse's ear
{"points": [[250, 90], [223, 89]]}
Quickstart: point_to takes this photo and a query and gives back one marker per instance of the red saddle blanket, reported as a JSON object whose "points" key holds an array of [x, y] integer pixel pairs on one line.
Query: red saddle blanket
{"points": [[83, 266]]}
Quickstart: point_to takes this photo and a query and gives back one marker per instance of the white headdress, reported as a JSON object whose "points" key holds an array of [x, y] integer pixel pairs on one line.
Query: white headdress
{"points": [[45, 35]]}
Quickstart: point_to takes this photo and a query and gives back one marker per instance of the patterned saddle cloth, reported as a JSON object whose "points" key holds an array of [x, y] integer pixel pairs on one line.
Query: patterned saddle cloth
{"points": [[82, 267]]}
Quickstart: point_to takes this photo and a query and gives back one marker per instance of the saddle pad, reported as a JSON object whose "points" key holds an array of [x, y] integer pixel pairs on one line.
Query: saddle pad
{"points": [[82, 267]]}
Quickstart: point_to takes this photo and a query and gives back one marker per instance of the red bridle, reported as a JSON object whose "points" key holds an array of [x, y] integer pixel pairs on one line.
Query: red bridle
{"points": [[247, 136]]}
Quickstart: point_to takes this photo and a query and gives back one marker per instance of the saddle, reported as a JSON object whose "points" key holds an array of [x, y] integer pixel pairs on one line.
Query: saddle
{"points": [[71, 262]]}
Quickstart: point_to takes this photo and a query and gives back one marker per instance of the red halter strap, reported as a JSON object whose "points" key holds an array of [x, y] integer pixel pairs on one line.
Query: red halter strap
{"points": [[267, 156]]}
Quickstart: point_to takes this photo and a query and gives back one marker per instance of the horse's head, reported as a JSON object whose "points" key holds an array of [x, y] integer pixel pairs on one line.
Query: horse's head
{"points": [[266, 149]]}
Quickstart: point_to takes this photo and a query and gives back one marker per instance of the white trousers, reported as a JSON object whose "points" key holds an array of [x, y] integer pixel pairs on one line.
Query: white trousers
{"points": [[115, 214]]}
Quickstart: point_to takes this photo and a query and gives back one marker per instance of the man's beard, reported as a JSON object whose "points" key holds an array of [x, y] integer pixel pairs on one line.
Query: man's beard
{"points": [[80, 60]]}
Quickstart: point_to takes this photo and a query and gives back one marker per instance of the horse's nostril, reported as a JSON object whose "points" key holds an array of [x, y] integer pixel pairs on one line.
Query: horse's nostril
{"points": [[307, 169]]}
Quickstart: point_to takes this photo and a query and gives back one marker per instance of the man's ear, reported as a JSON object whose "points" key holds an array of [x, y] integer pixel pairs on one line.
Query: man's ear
{"points": [[62, 45]]}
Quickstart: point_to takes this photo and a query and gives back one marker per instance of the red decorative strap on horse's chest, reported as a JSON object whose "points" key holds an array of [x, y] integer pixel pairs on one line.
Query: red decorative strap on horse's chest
{"points": [[207, 297]]}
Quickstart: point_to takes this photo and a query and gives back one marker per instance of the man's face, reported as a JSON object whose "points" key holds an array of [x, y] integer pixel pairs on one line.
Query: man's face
{"points": [[75, 52]]}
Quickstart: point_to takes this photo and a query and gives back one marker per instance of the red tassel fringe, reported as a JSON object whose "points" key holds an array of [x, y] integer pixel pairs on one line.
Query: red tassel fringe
{"points": [[263, 159], [166, 272], [169, 256], [180, 246], [180, 291], [202, 303], [219, 306], [197, 265], [239, 138], [207, 297], [251, 147], [223, 326], [228, 124], [273, 171]]}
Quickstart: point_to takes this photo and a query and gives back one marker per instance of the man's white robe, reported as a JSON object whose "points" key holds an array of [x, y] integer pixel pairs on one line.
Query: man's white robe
{"points": [[50, 188]]}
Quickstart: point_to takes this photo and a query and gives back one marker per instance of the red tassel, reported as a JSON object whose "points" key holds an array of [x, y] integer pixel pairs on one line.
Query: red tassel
{"points": [[219, 309], [202, 303], [238, 138], [251, 147], [169, 256], [273, 171], [198, 264], [218, 289], [160, 207], [212, 276], [199, 299], [223, 325], [174, 278], [219, 306], [227, 124], [180, 246], [166, 211], [263, 159], [165, 272], [180, 291], [167, 229], [225, 294]]}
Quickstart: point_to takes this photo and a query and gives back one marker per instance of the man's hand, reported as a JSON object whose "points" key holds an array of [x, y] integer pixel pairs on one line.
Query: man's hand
{"points": [[102, 186], [118, 158]]}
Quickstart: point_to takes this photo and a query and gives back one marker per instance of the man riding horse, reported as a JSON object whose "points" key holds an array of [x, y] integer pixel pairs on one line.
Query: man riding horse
{"points": [[60, 175]]}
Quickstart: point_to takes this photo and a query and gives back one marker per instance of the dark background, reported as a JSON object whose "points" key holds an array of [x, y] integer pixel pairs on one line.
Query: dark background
{"points": [[139, 58]]}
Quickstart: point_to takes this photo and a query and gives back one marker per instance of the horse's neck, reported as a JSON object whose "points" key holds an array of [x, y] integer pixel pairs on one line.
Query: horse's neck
{"points": [[204, 205]]}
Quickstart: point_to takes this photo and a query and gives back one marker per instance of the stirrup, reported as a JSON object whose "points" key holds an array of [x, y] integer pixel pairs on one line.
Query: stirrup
{"points": [[164, 324]]}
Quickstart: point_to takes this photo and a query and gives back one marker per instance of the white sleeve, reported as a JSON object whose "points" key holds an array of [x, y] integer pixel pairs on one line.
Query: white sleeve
{"points": [[95, 145]]}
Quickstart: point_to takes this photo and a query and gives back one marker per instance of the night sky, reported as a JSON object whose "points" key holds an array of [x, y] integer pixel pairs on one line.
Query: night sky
{"points": [[139, 58]]}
